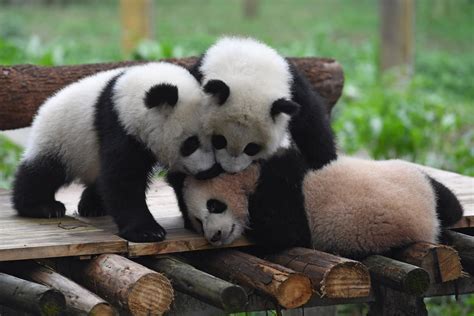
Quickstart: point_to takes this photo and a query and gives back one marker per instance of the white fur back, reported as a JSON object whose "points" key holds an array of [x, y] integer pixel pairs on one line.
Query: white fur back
{"points": [[357, 206], [64, 126]]}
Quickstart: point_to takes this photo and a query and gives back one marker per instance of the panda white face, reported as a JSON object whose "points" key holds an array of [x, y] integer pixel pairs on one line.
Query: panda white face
{"points": [[250, 105], [218, 208], [162, 104]]}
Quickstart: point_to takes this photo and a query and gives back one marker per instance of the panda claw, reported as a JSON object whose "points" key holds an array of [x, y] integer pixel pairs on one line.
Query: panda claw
{"points": [[144, 234]]}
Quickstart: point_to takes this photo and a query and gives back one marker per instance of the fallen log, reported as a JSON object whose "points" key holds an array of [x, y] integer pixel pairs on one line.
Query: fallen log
{"points": [[398, 275], [201, 285], [464, 244], [290, 289], [23, 88], [30, 297], [331, 276], [133, 287], [79, 301], [440, 261]]}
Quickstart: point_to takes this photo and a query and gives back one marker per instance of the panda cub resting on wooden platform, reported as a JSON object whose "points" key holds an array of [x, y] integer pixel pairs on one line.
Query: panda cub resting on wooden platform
{"points": [[351, 207], [108, 131]]}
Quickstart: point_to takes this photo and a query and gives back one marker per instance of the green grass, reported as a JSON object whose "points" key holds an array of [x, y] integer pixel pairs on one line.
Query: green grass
{"points": [[428, 119]]}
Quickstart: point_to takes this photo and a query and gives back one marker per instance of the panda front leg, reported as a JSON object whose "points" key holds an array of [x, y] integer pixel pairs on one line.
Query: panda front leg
{"points": [[126, 167], [36, 182], [91, 204]]}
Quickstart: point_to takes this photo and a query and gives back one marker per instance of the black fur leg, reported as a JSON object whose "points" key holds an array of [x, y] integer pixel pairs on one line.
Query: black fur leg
{"points": [[449, 209], [126, 165], [91, 204], [35, 185]]}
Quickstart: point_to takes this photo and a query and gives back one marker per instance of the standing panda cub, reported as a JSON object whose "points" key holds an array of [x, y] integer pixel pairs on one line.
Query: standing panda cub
{"points": [[256, 98], [351, 207], [108, 131]]}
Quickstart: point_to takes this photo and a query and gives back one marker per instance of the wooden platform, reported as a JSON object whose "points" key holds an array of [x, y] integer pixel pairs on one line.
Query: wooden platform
{"points": [[26, 238]]}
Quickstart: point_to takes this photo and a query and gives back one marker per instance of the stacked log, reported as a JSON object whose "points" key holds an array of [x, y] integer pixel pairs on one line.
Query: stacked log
{"points": [[289, 288], [398, 275], [30, 297], [79, 301], [440, 261], [127, 284], [464, 244], [331, 276], [201, 285]]}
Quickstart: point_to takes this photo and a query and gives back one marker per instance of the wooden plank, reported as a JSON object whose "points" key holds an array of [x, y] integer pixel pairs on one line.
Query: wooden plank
{"points": [[30, 238]]}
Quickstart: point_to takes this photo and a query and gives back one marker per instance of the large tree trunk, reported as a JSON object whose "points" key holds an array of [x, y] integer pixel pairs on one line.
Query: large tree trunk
{"points": [[24, 88]]}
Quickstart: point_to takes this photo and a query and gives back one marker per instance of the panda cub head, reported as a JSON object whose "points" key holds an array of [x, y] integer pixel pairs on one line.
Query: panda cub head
{"points": [[167, 118], [249, 101], [218, 207]]}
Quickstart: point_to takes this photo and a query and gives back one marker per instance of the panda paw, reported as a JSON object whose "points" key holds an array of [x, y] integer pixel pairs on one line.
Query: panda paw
{"points": [[53, 209], [143, 233], [87, 208]]}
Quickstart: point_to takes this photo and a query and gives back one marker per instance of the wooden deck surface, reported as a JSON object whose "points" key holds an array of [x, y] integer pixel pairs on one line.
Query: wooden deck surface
{"points": [[27, 238]]}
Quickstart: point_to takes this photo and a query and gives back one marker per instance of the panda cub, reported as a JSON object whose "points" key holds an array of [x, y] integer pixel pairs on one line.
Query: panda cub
{"points": [[351, 207], [256, 95], [108, 131]]}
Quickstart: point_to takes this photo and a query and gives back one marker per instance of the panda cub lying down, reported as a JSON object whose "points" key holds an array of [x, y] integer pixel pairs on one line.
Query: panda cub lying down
{"points": [[351, 207], [108, 131]]}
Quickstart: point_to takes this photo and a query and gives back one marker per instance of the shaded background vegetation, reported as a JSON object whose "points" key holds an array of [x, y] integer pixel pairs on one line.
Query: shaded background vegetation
{"points": [[428, 119]]}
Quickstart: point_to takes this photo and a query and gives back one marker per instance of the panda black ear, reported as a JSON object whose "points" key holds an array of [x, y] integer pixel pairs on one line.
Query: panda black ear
{"points": [[161, 94], [284, 106], [219, 89]]}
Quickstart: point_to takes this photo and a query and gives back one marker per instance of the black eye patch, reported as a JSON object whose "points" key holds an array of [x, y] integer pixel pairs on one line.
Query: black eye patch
{"points": [[189, 146], [216, 206], [252, 149], [219, 141]]}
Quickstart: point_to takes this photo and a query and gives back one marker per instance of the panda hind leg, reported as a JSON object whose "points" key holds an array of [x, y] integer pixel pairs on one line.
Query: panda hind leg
{"points": [[91, 204], [36, 182]]}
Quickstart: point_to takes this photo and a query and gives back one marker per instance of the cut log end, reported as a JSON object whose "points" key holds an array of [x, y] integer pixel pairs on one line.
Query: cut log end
{"points": [[415, 282], [234, 297], [295, 291], [145, 299], [346, 279], [52, 302], [449, 263], [102, 309]]}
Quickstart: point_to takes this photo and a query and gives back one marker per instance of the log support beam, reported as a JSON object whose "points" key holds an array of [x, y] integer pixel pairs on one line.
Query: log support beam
{"points": [[464, 244], [398, 275], [201, 285], [440, 261], [289, 288], [331, 276], [30, 297]]}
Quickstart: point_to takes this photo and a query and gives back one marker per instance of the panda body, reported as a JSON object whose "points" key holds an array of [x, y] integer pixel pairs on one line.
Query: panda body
{"points": [[351, 207], [260, 102], [108, 131]]}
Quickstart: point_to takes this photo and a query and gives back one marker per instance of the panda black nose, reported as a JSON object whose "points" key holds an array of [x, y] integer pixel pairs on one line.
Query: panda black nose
{"points": [[217, 236]]}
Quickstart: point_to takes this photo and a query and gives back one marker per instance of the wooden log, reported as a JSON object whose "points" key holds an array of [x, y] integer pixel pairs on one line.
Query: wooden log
{"points": [[137, 21], [24, 88], [331, 276], [464, 244], [199, 284], [398, 275], [79, 301], [440, 261], [290, 289], [30, 297], [133, 287]]}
